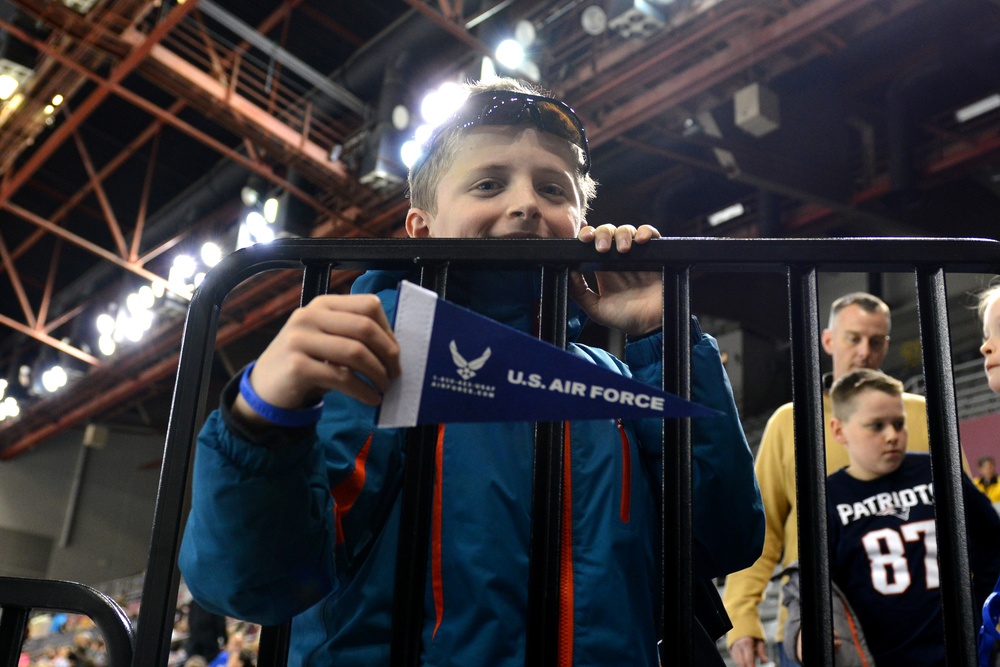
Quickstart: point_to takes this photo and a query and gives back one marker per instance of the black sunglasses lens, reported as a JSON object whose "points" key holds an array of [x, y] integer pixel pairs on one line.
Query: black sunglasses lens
{"points": [[502, 111], [556, 120]]}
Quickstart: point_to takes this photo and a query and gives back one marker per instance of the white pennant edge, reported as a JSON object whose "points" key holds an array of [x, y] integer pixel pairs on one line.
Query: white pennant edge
{"points": [[414, 324]]}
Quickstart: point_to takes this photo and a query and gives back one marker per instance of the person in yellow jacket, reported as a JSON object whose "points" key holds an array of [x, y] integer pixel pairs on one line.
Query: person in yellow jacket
{"points": [[987, 481], [857, 337]]}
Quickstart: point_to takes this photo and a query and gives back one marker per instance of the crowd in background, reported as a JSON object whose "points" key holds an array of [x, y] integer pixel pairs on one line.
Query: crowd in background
{"points": [[198, 639]]}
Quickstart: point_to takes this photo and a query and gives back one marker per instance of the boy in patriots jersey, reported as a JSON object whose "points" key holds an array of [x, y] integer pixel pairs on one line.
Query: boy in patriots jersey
{"points": [[883, 542]]}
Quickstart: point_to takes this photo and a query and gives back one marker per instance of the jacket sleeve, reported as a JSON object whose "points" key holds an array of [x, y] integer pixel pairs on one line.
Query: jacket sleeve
{"points": [[728, 512], [259, 539], [745, 589]]}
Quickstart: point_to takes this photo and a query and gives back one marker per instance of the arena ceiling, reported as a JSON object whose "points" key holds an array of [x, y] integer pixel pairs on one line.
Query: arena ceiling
{"points": [[848, 126]]}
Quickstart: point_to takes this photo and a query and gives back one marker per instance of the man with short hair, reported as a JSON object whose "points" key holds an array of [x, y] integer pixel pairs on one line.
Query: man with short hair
{"points": [[857, 337]]}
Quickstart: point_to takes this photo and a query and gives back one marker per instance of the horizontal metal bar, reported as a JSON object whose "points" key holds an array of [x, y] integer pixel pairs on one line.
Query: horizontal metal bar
{"points": [[733, 255]]}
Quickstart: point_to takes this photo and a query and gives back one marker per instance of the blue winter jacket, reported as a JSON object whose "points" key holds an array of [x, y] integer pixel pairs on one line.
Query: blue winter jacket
{"points": [[308, 530]]}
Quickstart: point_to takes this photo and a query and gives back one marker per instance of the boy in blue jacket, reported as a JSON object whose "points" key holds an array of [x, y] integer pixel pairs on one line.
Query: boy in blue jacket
{"points": [[295, 509]]}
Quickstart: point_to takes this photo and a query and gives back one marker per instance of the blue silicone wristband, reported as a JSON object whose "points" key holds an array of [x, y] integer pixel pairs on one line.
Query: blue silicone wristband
{"points": [[276, 415]]}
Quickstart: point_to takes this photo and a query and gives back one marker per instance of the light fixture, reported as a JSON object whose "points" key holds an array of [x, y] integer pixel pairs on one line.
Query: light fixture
{"points": [[9, 408], [593, 20], [8, 86], [524, 32], [409, 152], [438, 105], [211, 254], [726, 214], [635, 18], [400, 117], [106, 344], [756, 110], [80, 6], [510, 53], [105, 324], [183, 268], [270, 209], [54, 379], [978, 108], [13, 76]]}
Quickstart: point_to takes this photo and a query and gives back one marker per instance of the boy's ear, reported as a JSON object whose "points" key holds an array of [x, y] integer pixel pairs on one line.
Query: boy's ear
{"points": [[837, 429], [417, 226]]}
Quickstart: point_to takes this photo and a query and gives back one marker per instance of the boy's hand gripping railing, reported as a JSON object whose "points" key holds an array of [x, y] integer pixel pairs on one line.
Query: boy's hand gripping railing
{"points": [[800, 259]]}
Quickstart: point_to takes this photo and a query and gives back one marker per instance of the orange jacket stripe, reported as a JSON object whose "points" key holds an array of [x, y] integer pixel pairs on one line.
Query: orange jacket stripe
{"points": [[626, 506], [566, 629], [437, 582], [345, 493], [854, 636]]}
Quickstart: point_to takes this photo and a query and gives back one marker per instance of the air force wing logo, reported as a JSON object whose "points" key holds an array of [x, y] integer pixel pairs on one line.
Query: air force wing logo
{"points": [[467, 369]]}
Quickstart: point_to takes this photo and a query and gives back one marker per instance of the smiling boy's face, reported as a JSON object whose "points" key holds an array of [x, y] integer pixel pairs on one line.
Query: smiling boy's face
{"points": [[505, 182]]}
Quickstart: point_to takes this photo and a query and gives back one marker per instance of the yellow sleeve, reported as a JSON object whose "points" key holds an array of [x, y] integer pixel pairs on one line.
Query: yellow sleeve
{"points": [[745, 589]]}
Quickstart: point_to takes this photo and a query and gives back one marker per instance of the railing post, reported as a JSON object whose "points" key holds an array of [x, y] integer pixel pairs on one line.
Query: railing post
{"points": [[677, 490], [13, 623], [415, 525], [946, 469], [275, 640], [810, 469], [542, 641]]}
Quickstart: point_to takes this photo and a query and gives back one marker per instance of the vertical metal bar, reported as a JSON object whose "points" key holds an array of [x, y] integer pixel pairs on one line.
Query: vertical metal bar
{"points": [[946, 468], [315, 281], [810, 469], [677, 484], [159, 589], [414, 526], [275, 640], [13, 623], [542, 641]]}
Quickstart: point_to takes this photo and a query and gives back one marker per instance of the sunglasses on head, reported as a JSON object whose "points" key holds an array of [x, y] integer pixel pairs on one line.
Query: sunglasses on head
{"points": [[506, 107]]}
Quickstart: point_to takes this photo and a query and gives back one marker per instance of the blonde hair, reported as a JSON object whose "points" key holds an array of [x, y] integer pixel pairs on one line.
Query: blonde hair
{"points": [[986, 297], [845, 391], [424, 179]]}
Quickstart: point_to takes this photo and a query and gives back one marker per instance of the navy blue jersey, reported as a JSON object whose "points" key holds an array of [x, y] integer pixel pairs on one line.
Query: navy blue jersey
{"points": [[883, 546]]}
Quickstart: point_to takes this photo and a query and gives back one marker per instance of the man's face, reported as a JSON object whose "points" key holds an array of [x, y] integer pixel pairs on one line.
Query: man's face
{"points": [[988, 469], [875, 434], [858, 339], [505, 182]]}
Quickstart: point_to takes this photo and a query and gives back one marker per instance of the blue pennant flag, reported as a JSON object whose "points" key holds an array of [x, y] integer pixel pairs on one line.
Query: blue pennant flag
{"points": [[459, 366]]}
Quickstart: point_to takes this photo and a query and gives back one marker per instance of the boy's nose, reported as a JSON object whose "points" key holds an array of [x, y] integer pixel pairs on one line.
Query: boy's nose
{"points": [[986, 348], [524, 204]]}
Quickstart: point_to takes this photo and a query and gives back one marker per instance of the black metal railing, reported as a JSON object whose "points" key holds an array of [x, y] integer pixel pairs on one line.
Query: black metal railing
{"points": [[19, 597], [799, 260]]}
